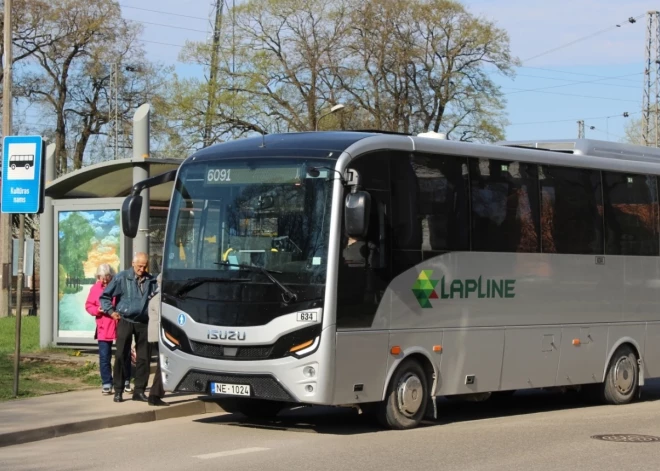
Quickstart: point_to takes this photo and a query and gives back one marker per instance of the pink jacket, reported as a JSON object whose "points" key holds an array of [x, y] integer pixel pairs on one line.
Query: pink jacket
{"points": [[106, 326]]}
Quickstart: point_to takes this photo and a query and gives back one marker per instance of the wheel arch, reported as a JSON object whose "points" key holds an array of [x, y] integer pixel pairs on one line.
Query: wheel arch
{"points": [[424, 359], [636, 349]]}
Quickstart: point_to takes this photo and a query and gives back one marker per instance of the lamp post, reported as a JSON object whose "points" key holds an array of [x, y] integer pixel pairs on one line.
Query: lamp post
{"points": [[334, 109]]}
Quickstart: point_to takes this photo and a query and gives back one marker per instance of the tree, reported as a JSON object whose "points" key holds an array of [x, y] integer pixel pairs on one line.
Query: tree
{"points": [[74, 77], [633, 132], [397, 66], [420, 65]]}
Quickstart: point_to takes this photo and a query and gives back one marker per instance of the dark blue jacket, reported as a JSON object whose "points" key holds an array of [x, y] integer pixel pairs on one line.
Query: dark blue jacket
{"points": [[131, 304]]}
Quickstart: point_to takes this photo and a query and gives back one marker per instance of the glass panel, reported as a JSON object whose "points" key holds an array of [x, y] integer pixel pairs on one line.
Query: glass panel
{"points": [[505, 209]]}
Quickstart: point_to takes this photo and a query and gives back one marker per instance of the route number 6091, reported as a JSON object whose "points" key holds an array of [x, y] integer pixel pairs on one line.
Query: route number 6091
{"points": [[219, 175]]}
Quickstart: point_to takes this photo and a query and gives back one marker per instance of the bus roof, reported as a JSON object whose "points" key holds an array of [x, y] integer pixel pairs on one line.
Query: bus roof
{"points": [[591, 147], [332, 141]]}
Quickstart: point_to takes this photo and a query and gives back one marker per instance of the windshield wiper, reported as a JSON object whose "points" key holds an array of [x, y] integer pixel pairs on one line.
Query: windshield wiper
{"points": [[287, 294], [195, 282]]}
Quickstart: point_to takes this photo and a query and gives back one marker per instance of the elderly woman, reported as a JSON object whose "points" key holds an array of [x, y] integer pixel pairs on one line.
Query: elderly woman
{"points": [[106, 326]]}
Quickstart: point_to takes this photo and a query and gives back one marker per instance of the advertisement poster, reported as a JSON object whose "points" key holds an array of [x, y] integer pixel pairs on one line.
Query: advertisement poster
{"points": [[86, 240]]}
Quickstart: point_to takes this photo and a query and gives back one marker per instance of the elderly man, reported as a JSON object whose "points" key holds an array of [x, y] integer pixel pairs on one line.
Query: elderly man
{"points": [[131, 290]]}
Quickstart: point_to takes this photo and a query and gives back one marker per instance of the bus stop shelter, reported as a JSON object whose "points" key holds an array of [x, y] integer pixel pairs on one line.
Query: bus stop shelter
{"points": [[81, 229]]}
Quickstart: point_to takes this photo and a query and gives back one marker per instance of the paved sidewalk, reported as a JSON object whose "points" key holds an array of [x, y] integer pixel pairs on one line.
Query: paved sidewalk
{"points": [[56, 415]]}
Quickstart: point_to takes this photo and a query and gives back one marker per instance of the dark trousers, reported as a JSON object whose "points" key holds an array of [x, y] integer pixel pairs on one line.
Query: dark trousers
{"points": [[125, 331], [156, 390]]}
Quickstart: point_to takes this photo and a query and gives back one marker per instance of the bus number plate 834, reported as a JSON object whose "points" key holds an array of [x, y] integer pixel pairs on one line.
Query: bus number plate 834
{"points": [[230, 389]]}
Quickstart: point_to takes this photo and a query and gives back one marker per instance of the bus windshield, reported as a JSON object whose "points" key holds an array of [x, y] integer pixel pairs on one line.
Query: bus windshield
{"points": [[228, 216]]}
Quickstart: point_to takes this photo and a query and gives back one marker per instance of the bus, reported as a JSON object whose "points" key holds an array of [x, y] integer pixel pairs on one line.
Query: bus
{"points": [[381, 271], [21, 160]]}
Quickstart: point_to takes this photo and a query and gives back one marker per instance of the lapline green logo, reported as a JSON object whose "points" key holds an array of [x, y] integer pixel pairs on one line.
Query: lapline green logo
{"points": [[425, 287]]}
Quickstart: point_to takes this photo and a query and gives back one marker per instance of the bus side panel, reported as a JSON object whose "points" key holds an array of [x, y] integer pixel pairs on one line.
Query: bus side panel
{"points": [[582, 362], [652, 350], [476, 352], [531, 357], [361, 358]]}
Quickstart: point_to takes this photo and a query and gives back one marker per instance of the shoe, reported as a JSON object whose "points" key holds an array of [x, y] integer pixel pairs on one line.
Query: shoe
{"points": [[157, 401], [118, 397], [107, 390], [127, 387], [140, 396]]}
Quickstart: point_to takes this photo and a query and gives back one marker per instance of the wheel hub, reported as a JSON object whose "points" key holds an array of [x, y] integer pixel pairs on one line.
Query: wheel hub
{"points": [[409, 395], [624, 375]]}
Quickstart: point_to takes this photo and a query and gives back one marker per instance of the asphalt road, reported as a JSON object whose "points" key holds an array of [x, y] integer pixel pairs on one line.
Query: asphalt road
{"points": [[537, 431]]}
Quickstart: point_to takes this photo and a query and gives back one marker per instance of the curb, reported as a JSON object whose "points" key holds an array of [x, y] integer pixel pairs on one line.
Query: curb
{"points": [[174, 411]]}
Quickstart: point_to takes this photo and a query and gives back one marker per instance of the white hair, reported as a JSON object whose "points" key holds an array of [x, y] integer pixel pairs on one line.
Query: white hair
{"points": [[104, 270], [140, 255]]}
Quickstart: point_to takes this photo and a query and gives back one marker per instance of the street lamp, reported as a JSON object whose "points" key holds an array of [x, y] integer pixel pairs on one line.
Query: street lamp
{"points": [[334, 109]]}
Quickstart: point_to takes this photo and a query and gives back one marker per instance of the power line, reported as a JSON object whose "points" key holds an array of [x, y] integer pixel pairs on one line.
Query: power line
{"points": [[564, 85], [630, 20], [571, 73], [168, 26], [159, 43], [571, 94], [164, 12], [573, 120], [604, 78]]}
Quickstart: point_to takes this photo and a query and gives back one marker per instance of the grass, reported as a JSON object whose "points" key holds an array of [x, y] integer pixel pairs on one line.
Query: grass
{"points": [[38, 377]]}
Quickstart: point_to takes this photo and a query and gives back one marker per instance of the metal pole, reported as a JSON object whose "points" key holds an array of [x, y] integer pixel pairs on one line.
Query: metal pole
{"points": [[141, 172], [19, 300], [47, 258], [116, 65], [5, 219]]}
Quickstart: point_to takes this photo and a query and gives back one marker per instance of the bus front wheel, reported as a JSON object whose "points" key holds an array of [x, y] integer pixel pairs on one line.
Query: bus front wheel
{"points": [[13, 166], [407, 397]]}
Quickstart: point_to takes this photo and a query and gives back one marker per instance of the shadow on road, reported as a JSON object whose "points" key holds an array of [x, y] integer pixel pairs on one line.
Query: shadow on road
{"points": [[343, 421]]}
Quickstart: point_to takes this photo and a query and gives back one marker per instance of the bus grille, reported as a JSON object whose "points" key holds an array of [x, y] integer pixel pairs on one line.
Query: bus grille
{"points": [[263, 386], [217, 352]]}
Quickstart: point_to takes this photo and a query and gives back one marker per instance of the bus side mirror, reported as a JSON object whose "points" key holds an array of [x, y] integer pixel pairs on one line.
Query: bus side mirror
{"points": [[356, 214], [130, 215]]}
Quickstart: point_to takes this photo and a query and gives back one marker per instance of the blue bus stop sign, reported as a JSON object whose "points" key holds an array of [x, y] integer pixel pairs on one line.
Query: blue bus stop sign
{"points": [[22, 174]]}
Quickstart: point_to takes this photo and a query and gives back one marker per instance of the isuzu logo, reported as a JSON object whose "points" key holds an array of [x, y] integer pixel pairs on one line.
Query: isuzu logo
{"points": [[215, 334]]}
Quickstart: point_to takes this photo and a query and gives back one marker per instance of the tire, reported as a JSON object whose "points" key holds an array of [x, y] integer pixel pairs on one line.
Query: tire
{"points": [[622, 378], [407, 397], [13, 166], [259, 409], [27, 166]]}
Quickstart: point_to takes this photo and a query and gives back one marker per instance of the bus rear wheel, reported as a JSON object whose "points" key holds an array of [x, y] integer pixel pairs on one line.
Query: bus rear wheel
{"points": [[407, 397], [622, 379], [259, 409]]}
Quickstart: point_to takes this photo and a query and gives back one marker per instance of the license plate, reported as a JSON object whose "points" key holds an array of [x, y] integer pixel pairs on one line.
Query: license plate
{"points": [[307, 316], [230, 389]]}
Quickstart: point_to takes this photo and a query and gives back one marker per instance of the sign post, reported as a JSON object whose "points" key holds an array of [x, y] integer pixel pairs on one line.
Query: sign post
{"points": [[22, 193]]}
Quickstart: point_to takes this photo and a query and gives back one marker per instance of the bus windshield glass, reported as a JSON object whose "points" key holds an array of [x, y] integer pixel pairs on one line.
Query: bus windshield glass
{"points": [[229, 216]]}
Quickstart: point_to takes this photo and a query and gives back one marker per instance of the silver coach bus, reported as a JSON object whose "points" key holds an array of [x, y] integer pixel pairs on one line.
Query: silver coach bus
{"points": [[380, 271]]}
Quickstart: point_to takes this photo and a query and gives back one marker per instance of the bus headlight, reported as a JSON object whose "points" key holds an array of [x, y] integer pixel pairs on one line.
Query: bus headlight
{"points": [[305, 348]]}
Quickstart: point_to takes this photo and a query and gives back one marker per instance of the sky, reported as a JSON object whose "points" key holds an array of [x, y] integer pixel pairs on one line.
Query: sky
{"points": [[579, 74]]}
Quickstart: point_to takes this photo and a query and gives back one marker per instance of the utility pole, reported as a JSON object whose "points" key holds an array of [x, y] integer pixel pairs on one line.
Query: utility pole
{"points": [[580, 129], [6, 219], [651, 88], [213, 73]]}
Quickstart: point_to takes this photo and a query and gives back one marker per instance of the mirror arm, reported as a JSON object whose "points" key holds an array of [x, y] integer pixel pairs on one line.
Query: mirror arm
{"points": [[153, 181]]}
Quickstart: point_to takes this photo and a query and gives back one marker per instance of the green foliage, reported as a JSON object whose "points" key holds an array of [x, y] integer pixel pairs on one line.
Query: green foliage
{"points": [[399, 66], [75, 243]]}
